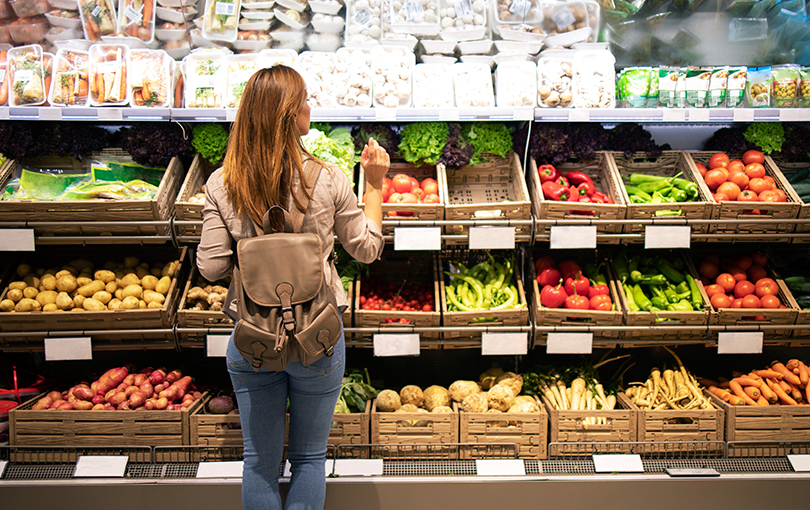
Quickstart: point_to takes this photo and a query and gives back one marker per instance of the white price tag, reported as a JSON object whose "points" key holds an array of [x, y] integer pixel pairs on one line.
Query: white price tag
{"points": [[579, 115], [463, 8], [110, 114], [230, 114], [699, 115], [362, 18], [330, 463], [66, 349], [743, 115], [511, 344], [50, 113], [793, 115], [100, 466], [492, 238], [225, 9], [2, 75], [133, 14], [17, 239], [583, 237], [359, 467], [739, 342], [108, 66], [396, 344], [3, 464], [227, 469], [691, 472], [413, 9], [562, 18], [667, 237], [216, 345], [385, 114], [800, 463], [96, 11], [500, 467], [449, 114], [4, 113], [523, 114], [617, 463], [674, 115], [417, 238], [569, 343], [23, 75]]}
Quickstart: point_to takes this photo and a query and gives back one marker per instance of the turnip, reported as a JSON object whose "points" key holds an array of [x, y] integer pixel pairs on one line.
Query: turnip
{"points": [[234, 424]]}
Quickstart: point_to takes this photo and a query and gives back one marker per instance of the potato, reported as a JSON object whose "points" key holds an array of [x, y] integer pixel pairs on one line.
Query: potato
{"points": [[40, 272], [91, 288], [52, 271], [111, 287], [119, 294], [82, 265], [50, 307], [30, 292], [6, 305], [28, 305], [142, 304], [149, 282], [70, 269], [133, 290], [66, 283], [130, 279], [23, 269], [109, 265], [163, 285], [77, 309], [64, 301], [131, 262], [47, 297], [15, 295], [81, 281], [61, 273], [93, 305], [48, 282], [129, 303], [17, 285], [104, 275], [82, 405], [32, 280], [154, 304], [102, 296], [151, 296], [78, 300], [156, 271], [114, 304]]}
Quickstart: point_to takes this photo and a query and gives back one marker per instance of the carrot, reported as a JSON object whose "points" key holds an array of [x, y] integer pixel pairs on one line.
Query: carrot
{"points": [[783, 397], [792, 365], [807, 392], [147, 12], [736, 401], [804, 373], [787, 374], [762, 401], [796, 394], [724, 384], [91, 27], [723, 394], [123, 79], [768, 373], [752, 392], [753, 375], [747, 381], [178, 92], [768, 393], [101, 88], [737, 389], [785, 386]]}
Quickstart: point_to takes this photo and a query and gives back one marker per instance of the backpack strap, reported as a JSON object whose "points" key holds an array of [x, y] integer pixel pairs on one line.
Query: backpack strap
{"points": [[311, 170]]}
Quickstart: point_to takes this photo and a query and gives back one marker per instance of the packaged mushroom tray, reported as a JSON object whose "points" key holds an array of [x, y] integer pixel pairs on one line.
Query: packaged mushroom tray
{"points": [[555, 79], [327, 32], [240, 69], [571, 22], [463, 20], [353, 77], [431, 88], [270, 58], [70, 73], [516, 16], [363, 23], [180, 15], [318, 69], [108, 75], [331, 7], [252, 40], [150, 80], [515, 83], [205, 73], [392, 76], [594, 79], [25, 76], [473, 85], [410, 17], [221, 20], [136, 18]]}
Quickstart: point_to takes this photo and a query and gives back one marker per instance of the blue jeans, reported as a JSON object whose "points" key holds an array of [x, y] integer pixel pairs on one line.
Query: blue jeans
{"points": [[262, 397]]}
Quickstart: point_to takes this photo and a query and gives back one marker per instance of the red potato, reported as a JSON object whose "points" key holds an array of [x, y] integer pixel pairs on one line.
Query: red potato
{"points": [[177, 389], [118, 398], [188, 396], [173, 376], [54, 396], [43, 403], [83, 405], [129, 380], [112, 378], [157, 377], [137, 399], [146, 371], [131, 390], [161, 403], [197, 394], [83, 393], [94, 387], [147, 389], [71, 397], [65, 406], [149, 404], [123, 406], [108, 407], [109, 395], [159, 387], [123, 386], [98, 400], [56, 403], [186, 404], [98, 407], [139, 379]]}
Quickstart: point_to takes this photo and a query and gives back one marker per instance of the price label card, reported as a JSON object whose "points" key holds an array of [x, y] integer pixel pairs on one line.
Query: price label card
{"points": [[500, 467], [216, 345], [359, 467], [793, 115], [4, 115], [575, 115], [110, 114], [330, 463], [228, 469], [224, 9], [800, 463], [492, 238], [417, 238], [674, 115], [569, 343], [16, 239], [691, 472], [50, 113], [230, 114], [66, 349], [100, 466], [385, 114], [396, 344], [743, 115], [516, 344], [449, 114], [699, 115], [523, 113], [739, 342], [617, 463], [577, 237], [3, 464], [667, 237]]}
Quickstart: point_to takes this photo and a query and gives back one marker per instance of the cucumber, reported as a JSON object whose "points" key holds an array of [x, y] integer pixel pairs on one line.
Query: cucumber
{"points": [[799, 176]]}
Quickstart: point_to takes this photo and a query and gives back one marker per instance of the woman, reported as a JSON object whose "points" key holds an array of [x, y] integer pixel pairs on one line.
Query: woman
{"points": [[262, 168]]}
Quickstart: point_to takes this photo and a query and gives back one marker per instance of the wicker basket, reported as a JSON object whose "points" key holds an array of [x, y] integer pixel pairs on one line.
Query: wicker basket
{"points": [[184, 208]]}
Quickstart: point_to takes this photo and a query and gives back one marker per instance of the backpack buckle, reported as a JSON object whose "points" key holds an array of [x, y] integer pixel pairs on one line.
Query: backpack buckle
{"points": [[287, 318], [330, 351]]}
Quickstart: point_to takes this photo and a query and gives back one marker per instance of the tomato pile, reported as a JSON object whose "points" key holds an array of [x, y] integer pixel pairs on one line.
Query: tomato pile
{"points": [[740, 282], [378, 295], [566, 286], [404, 189], [741, 180]]}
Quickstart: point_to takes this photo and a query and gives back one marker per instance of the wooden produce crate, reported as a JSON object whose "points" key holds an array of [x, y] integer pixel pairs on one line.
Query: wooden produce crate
{"points": [[408, 442], [400, 268], [599, 171], [802, 315], [567, 317], [693, 319], [107, 319], [529, 431], [691, 427], [160, 207], [668, 164], [352, 429], [568, 427], [208, 429], [189, 317], [413, 211], [495, 189], [733, 210], [766, 424], [184, 208], [507, 317], [788, 170], [100, 428]]}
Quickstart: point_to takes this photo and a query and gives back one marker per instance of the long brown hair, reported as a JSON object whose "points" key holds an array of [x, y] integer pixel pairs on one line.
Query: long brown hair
{"points": [[264, 145]]}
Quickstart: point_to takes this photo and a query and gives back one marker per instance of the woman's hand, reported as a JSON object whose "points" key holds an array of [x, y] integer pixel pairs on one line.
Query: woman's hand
{"points": [[375, 162]]}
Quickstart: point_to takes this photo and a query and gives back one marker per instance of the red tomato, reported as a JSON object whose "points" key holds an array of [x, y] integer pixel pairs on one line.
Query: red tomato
{"points": [[769, 301], [747, 196], [753, 157], [432, 199], [720, 197], [766, 286], [420, 194], [735, 166], [743, 288], [738, 274], [729, 189], [740, 179], [715, 178], [782, 195], [407, 198], [709, 269], [755, 170], [737, 303], [414, 182], [720, 300], [759, 258], [758, 185], [718, 160], [771, 180], [751, 301], [769, 195], [713, 289], [702, 169], [393, 198], [430, 186], [726, 281], [402, 183], [743, 262], [755, 273]]}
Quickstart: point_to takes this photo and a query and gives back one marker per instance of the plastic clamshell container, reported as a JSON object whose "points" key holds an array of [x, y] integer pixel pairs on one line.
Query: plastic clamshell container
{"points": [[438, 59], [199, 42], [412, 18], [26, 8], [515, 83], [205, 77], [170, 34], [481, 47], [175, 16], [530, 47], [473, 85], [132, 42], [431, 88], [353, 78], [131, 20], [248, 45], [181, 50], [240, 69], [324, 42], [404, 40], [513, 33], [261, 15], [601, 46], [198, 22], [467, 23], [258, 5], [260, 25], [68, 66], [60, 33], [332, 7], [63, 4], [287, 34], [363, 24], [293, 4], [392, 67], [5, 33], [151, 71], [330, 25], [594, 83], [62, 21], [6, 11], [220, 20], [502, 58], [318, 69], [285, 17], [73, 44], [567, 39], [594, 17], [24, 65], [486, 60], [555, 76], [176, 3], [108, 62], [563, 17], [102, 13], [28, 30], [271, 57], [438, 46], [516, 12]]}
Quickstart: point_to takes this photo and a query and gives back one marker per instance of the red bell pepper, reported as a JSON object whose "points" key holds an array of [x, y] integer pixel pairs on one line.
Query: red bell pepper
{"points": [[584, 200], [573, 194], [547, 173], [549, 276], [569, 268], [554, 191], [577, 302], [585, 189], [596, 200], [562, 180], [601, 303], [606, 199], [542, 263], [577, 178], [553, 297], [599, 289], [577, 284]]}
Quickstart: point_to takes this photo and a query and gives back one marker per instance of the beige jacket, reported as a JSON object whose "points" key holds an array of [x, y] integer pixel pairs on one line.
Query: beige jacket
{"points": [[333, 210]]}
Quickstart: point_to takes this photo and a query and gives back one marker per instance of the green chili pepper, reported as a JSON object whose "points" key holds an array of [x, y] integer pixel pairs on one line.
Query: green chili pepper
{"points": [[641, 300], [672, 296], [451, 296], [659, 302], [511, 302], [620, 265], [697, 300], [635, 199], [677, 195], [681, 306], [669, 272], [688, 187], [636, 179], [682, 287], [631, 302]]}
